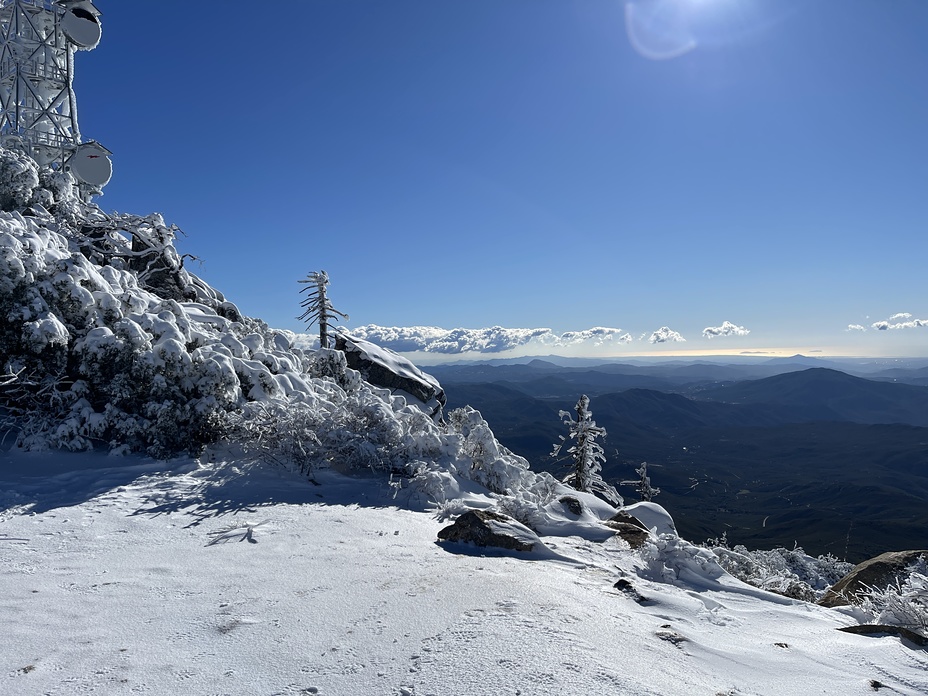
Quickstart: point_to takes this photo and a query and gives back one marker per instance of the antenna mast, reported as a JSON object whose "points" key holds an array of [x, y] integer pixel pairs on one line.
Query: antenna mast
{"points": [[38, 107]]}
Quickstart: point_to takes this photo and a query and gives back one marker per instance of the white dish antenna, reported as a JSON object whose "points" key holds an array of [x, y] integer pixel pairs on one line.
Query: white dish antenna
{"points": [[91, 164], [81, 26]]}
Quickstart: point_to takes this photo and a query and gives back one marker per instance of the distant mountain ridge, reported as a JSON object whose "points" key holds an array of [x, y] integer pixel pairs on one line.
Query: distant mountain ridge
{"points": [[824, 394], [834, 462]]}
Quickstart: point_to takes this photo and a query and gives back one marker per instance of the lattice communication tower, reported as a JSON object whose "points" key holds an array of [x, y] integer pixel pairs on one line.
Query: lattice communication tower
{"points": [[38, 107]]}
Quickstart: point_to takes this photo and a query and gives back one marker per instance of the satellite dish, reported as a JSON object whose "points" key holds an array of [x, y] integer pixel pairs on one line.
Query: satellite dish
{"points": [[81, 27], [91, 164]]}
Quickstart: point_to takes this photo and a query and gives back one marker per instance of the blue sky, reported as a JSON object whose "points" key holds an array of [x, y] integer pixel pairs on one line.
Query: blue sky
{"points": [[537, 163]]}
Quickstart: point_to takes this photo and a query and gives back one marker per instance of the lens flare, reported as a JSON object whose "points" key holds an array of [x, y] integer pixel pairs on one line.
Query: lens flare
{"points": [[666, 29], [659, 30]]}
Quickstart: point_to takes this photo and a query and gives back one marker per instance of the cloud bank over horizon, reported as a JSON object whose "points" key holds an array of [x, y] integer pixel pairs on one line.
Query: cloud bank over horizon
{"points": [[496, 339], [900, 320]]}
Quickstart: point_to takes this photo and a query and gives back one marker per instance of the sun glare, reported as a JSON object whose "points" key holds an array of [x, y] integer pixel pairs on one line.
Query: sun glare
{"points": [[665, 29]]}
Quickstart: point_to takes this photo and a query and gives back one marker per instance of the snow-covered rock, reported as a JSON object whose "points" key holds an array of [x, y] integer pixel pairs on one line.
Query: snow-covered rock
{"points": [[652, 516], [385, 368], [878, 573], [485, 528]]}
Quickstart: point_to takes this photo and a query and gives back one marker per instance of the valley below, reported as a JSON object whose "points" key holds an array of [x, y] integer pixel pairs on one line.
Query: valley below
{"points": [[804, 455]]}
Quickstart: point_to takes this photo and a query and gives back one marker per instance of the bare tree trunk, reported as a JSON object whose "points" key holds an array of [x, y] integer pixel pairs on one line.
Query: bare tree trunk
{"points": [[323, 331]]}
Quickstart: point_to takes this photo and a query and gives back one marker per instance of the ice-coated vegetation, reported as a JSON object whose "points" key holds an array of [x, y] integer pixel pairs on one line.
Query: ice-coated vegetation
{"points": [[585, 453], [789, 572], [903, 603], [107, 341], [102, 358]]}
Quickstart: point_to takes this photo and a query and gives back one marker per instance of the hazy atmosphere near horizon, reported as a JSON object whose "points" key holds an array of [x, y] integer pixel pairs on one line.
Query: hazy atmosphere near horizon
{"points": [[696, 176]]}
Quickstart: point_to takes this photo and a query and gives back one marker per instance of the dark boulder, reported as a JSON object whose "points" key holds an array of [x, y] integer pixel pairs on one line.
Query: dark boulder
{"points": [[625, 518], [384, 368], [625, 586], [633, 534], [629, 528], [883, 629], [879, 572], [572, 504], [485, 528]]}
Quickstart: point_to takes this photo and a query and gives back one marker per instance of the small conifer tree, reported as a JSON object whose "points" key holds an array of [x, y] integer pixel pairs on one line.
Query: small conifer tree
{"points": [[586, 454], [317, 307]]}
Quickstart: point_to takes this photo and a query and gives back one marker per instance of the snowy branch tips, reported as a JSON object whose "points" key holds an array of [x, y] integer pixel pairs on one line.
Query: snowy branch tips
{"points": [[316, 305], [586, 454]]}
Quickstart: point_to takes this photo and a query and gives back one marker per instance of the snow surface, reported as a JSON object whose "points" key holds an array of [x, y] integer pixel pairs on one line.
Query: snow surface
{"points": [[132, 576], [652, 516]]}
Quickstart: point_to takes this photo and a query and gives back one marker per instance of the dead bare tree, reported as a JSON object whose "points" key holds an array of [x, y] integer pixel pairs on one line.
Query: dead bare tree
{"points": [[317, 307], [646, 491]]}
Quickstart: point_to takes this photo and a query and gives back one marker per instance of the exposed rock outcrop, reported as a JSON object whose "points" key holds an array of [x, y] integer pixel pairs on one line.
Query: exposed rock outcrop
{"points": [[878, 572], [625, 518], [485, 528], [386, 369], [883, 629], [572, 504], [629, 528], [633, 535]]}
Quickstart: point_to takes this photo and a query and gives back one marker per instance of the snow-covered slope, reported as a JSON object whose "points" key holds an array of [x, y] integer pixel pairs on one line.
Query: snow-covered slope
{"points": [[128, 576], [298, 553]]}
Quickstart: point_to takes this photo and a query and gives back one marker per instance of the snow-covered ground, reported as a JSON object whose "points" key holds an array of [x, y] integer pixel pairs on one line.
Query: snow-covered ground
{"points": [[131, 576]]}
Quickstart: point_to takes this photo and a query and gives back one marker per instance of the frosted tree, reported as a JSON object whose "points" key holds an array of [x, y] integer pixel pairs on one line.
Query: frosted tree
{"points": [[586, 454], [646, 491], [317, 307], [19, 177]]}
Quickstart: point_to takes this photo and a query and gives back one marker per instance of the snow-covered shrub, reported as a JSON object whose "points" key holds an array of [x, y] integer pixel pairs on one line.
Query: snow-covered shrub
{"points": [[328, 363], [104, 359], [283, 434], [528, 503], [367, 429], [449, 509], [370, 429], [23, 183], [904, 603], [19, 177], [671, 558], [789, 572], [491, 464]]}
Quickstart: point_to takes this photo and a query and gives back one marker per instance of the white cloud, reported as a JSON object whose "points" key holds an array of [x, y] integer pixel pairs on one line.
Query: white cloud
{"points": [[666, 335], [893, 324], [856, 327], [726, 329], [596, 336], [900, 320], [496, 339]]}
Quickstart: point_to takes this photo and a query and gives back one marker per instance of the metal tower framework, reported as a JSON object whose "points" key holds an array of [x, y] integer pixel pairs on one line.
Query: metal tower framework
{"points": [[38, 39]]}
